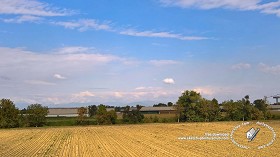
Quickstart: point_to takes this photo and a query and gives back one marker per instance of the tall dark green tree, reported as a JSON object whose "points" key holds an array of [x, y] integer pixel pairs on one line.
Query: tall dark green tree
{"points": [[134, 116], [189, 104], [262, 106], [193, 107], [210, 110], [247, 108], [9, 114], [170, 104], [234, 110], [36, 115], [256, 114], [105, 117], [159, 105], [92, 110]]}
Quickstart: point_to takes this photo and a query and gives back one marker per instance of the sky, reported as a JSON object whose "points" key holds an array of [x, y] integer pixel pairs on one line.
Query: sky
{"points": [[72, 52]]}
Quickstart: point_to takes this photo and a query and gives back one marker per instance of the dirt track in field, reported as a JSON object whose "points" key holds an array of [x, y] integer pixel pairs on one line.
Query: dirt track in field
{"points": [[136, 140]]}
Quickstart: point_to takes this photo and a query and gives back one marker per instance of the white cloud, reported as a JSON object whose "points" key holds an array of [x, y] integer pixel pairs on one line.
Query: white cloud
{"points": [[205, 90], [147, 88], [23, 18], [169, 81], [97, 58], [163, 62], [270, 69], [109, 96], [132, 32], [55, 60], [241, 66], [29, 71], [84, 25], [31, 7], [261, 5], [140, 88], [92, 24], [144, 93], [84, 94], [118, 94], [73, 49], [58, 76], [210, 4]]}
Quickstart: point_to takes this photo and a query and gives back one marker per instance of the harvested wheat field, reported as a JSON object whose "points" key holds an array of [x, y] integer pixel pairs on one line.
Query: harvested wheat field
{"points": [[138, 140]]}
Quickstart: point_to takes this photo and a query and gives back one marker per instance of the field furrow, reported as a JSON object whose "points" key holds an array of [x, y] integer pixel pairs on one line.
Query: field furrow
{"points": [[130, 140]]}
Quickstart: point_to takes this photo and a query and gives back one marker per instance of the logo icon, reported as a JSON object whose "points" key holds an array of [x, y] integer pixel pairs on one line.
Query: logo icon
{"points": [[252, 133]]}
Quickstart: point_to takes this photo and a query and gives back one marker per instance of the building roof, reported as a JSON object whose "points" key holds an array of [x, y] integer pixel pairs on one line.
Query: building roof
{"points": [[68, 111], [110, 109], [62, 111], [274, 106], [158, 108]]}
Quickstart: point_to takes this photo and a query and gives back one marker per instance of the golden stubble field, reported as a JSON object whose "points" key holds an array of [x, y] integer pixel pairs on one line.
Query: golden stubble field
{"points": [[135, 140]]}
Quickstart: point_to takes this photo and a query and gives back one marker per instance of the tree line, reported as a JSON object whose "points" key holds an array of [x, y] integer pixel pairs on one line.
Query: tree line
{"points": [[11, 117], [110, 117], [190, 107]]}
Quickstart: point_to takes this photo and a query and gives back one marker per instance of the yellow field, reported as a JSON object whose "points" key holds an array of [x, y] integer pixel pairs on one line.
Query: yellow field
{"points": [[133, 140]]}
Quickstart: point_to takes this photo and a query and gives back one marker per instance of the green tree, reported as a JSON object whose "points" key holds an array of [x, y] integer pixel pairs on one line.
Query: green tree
{"points": [[105, 117], [23, 111], [138, 107], [262, 106], [215, 101], [247, 108], [257, 114], [92, 110], [36, 115], [210, 110], [9, 114], [169, 104], [159, 105], [134, 116], [190, 104], [118, 109], [112, 116], [82, 111], [234, 110]]}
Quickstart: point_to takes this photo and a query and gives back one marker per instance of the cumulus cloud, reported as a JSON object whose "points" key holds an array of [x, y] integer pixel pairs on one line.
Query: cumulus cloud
{"points": [[269, 69], [169, 81], [132, 32], [84, 25], [205, 90], [144, 93], [32, 70], [58, 76], [31, 7], [118, 94], [241, 66], [84, 94], [261, 5]]}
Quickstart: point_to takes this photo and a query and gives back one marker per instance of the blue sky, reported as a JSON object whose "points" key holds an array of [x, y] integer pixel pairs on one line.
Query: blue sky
{"points": [[62, 53]]}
